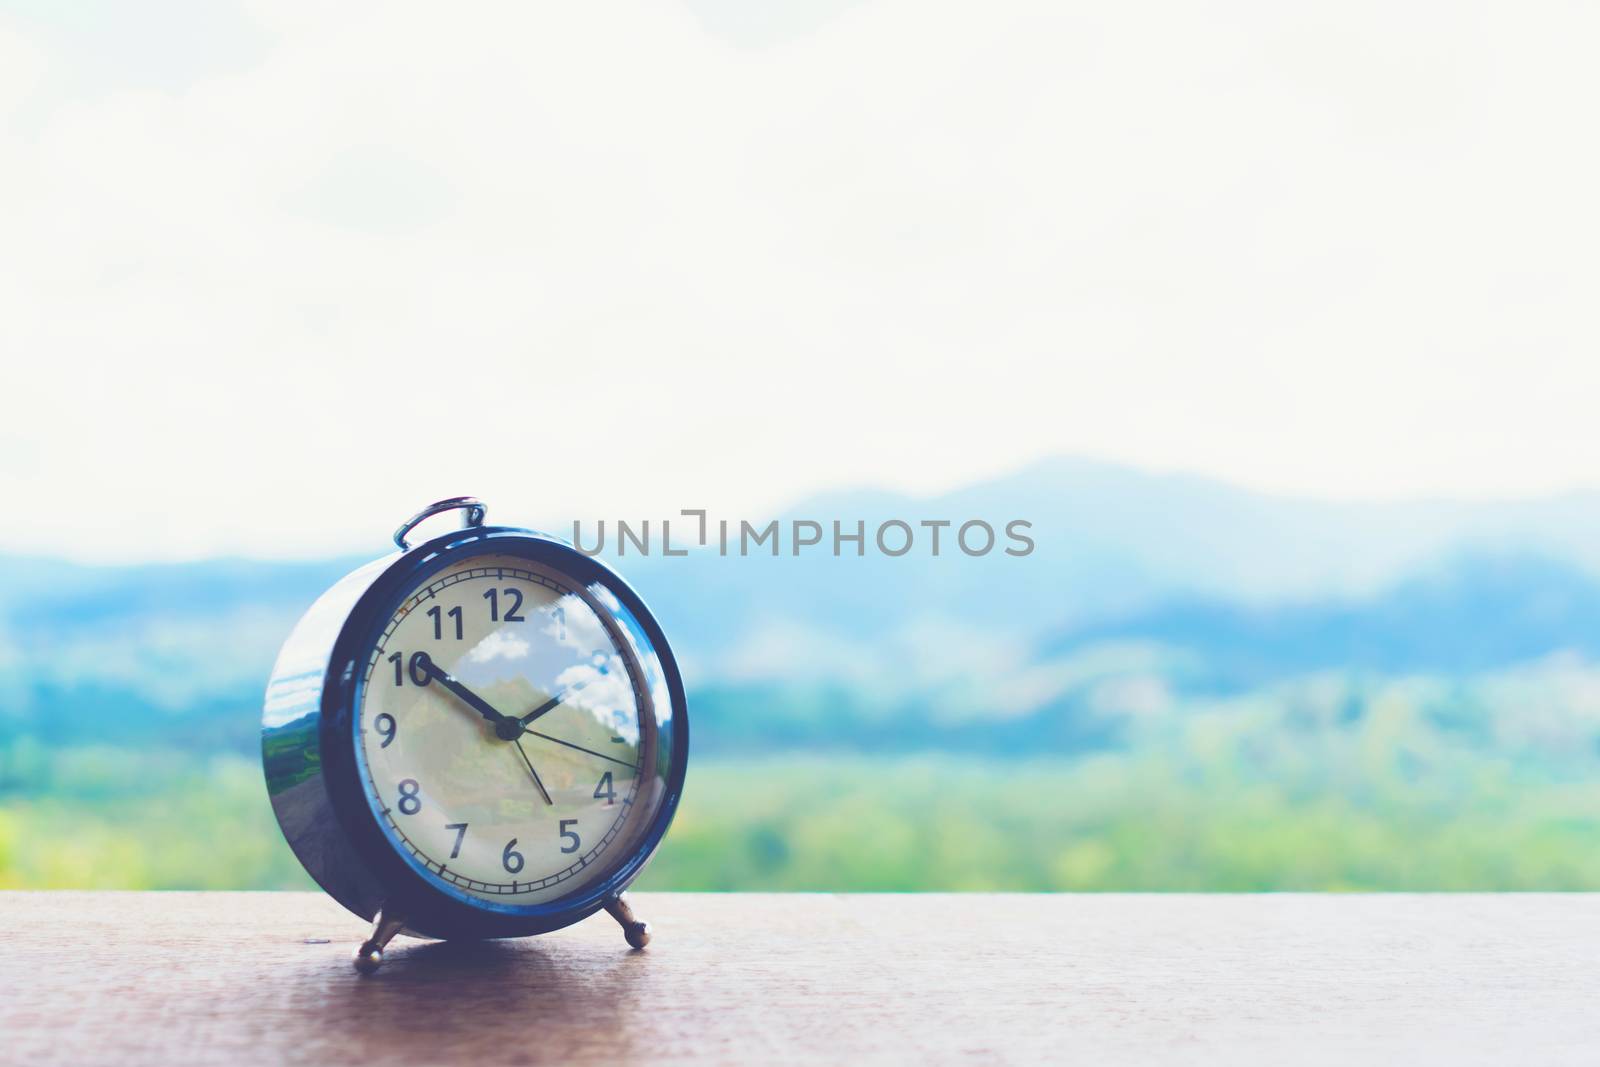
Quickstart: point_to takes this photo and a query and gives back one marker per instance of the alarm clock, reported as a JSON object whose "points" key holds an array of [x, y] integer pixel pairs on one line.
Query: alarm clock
{"points": [[483, 735]]}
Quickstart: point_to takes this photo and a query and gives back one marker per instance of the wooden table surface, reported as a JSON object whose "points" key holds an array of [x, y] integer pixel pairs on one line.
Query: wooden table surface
{"points": [[1093, 980]]}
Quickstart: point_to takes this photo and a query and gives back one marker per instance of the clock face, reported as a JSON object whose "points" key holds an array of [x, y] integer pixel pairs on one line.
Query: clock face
{"points": [[507, 732]]}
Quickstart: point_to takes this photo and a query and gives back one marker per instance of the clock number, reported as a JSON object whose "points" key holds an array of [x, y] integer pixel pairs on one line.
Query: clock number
{"points": [[409, 803], [419, 674], [511, 859], [565, 834], [384, 724], [514, 595], [604, 791], [461, 832], [438, 621]]}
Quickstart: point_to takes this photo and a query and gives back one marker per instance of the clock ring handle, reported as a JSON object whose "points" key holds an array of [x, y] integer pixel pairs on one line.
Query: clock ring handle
{"points": [[475, 512]]}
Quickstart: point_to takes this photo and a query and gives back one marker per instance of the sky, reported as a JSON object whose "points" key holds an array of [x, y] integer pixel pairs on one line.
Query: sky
{"points": [[274, 274]]}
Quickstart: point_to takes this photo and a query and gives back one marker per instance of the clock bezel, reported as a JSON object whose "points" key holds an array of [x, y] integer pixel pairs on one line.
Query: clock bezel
{"points": [[428, 908]]}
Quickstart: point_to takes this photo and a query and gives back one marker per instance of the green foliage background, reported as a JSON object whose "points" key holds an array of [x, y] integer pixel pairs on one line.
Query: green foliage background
{"points": [[1413, 787], [1187, 687]]}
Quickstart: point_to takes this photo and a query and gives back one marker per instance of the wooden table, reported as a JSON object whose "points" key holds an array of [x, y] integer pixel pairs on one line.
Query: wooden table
{"points": [[1092, 980]]}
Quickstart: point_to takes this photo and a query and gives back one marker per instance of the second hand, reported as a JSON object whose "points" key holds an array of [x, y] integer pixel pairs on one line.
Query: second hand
{"points": [[542, 790]]}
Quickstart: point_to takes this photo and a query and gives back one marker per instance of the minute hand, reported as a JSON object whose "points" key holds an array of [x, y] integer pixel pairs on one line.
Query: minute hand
{"points": [[468, 697]]}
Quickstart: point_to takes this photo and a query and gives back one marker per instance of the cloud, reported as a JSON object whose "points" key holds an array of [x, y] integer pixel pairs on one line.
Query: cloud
{"points": [[372, 255], [498, 644]]}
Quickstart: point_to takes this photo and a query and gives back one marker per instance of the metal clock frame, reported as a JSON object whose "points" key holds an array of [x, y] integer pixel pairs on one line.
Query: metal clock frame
{"points": [[311, 708]]}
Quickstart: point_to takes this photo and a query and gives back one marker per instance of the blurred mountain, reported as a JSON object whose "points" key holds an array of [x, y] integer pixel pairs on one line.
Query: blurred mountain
{"points": [[1472, 615], [1141, 588], [1111, 543]]}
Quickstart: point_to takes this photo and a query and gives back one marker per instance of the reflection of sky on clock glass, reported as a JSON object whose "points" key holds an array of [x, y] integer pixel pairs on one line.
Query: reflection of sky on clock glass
{"points": [[501, 644], [599, 682], [655, 680], [562, 650]]}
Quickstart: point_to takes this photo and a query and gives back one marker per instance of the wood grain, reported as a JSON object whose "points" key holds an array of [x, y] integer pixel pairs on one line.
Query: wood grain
{"points": [[1094, 980]]}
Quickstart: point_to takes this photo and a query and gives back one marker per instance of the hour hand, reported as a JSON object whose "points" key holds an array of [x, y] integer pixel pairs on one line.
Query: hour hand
{"points": [[550, 705], [468, 697]]}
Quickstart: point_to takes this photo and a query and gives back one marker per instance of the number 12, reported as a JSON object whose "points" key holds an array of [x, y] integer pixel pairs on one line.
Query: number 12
{"points": [[514, 595]]}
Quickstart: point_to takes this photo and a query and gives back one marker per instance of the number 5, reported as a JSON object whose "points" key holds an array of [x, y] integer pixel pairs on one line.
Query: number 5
{"points": [[565, 834]]}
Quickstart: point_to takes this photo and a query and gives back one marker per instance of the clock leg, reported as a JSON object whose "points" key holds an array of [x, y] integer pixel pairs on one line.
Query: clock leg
{"points": [[637, 933], [369, 957]]}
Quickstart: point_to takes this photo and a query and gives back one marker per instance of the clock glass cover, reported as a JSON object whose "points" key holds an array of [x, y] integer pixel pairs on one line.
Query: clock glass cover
{"points": [[509, 732]]}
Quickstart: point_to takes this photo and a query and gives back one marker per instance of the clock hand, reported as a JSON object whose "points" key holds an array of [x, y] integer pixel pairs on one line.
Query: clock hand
{"points": [[506, 728], [468, 697], [542, 790], [580, 748], [550, 705]]}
